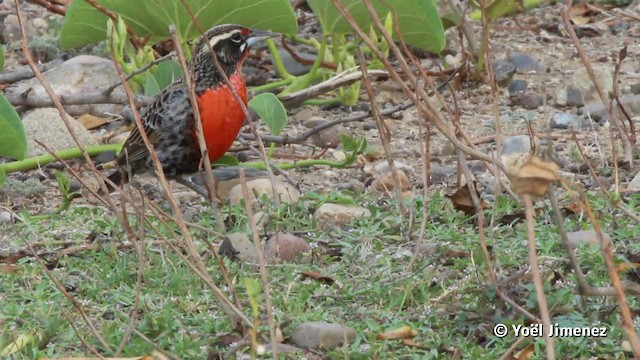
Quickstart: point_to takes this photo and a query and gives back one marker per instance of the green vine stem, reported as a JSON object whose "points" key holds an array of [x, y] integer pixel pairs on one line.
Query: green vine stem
{"points": [[277, 61], [36, 161], [305, 163]]}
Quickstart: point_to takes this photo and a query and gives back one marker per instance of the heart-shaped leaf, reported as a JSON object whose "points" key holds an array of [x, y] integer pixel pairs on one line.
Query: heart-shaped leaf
{"points": [[13, 142], [270, 110], [418, 20], [85, 25]]}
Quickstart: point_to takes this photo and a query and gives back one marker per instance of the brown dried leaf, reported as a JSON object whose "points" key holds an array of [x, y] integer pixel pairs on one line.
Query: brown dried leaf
{"points": [[462, 200], [526, 353], [8, 269], [318, 277], [91, 122], [533, 176], [411, 343], [404, 332]]}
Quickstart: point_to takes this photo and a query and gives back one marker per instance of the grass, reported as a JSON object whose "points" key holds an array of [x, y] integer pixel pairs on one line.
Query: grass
{"points": [[447, 298]]}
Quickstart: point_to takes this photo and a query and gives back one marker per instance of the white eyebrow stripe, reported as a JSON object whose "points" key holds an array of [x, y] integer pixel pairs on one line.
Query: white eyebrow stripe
{"points": [[214, 40]]}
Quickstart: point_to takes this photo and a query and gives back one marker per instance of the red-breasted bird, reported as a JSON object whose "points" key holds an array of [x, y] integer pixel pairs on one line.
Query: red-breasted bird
{"points": [[169, 121]]}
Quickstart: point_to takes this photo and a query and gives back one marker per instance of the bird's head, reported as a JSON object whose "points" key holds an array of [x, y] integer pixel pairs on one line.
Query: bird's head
{"points": [[231, 45]]}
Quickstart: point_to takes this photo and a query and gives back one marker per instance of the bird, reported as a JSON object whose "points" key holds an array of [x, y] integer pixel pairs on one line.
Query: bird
{"points": [[169, 120]]}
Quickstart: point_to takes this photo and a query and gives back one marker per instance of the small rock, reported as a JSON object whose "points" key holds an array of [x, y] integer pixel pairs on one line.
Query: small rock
{"points": [[302, 115], [504, 71], [6, 217], [439, 173], [285, 247], [318, 334], [634, 184], [569, 121], [562, 120], [386, 184], [329, 137], [585, 236], [383, 167], [330, 215], [517, 86], [523, 62], [519, 144], [352, 185], [313, 121], [238, 245], [80, 75], [46, 126], [601, 180], [531, 101], [293, 66], [258, 187], [261, 218], [598, 112], [389, 85]]}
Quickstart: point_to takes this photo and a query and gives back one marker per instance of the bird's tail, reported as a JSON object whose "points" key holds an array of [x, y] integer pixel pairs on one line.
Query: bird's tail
{"points": [[117, 177]]}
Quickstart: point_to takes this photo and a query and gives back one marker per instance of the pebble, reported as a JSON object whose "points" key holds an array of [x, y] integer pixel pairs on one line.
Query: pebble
{"points": [[6, 217], [504, 71], [518, 144], [46, 126], [517, 86], [330, 215], [523, 62], [386, 183], [79, 75], [238, 245], [285, 192], [319, 334], [285, 247]]}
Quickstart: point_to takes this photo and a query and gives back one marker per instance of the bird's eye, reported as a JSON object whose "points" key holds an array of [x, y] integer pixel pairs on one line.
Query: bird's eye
{"points": [[236, 38]]}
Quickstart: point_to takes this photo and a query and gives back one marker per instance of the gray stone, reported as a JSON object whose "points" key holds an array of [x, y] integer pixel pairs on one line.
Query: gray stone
{"points": [[352, 185], [562, 120], [598, 112], [293, 66], [518, 144], [46, 126], [523, 62], [318, 334], [570, 121], [258, 187], [330, 215], [531, 101], [285, 247], [329, 137], [504, 71], [80, 75], [238, 245], [517, 86], [6, 217]]}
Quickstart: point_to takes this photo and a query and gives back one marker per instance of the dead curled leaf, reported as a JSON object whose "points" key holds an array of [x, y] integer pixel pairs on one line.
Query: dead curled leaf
{"points": [[404, 332], [532, 176], [462, 200], [317, 277]]}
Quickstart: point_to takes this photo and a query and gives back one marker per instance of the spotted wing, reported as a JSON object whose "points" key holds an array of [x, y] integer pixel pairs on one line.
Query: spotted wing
{"points": [[166, 117]]}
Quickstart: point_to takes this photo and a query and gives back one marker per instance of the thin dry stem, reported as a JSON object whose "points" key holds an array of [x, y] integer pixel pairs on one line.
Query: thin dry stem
{"points": [[383, 131], [615, 121], [537, 278], [261, 262], [233, 313]]}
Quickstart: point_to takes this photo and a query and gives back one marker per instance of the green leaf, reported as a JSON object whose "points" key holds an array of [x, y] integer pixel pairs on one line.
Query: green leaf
{"points": [[166, 73], [348, 143], [13, 141], [151, 87], [270, 110], [418, 20], [85, 25], [228, 160]]}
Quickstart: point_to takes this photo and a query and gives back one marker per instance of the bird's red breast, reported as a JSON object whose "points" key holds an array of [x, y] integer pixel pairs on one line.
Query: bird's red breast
{"points": [[222, 115]]}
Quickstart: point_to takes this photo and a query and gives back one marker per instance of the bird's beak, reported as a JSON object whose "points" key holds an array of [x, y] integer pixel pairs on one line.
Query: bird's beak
{"points": [[257, 36]]}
